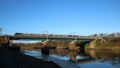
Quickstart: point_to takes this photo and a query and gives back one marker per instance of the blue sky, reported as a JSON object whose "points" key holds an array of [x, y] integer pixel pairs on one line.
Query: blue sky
{"points": [[84, 17]]}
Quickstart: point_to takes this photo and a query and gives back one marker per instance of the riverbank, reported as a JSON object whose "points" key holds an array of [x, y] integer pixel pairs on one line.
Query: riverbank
{"points": [[11, 59], [111, 44]]}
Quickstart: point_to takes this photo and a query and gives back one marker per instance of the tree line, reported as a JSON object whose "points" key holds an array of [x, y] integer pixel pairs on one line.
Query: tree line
{"points": [[107, 35]]}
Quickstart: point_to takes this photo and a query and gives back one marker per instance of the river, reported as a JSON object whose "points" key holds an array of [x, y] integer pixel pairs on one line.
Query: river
{"points": [[27, 41], [77, 59]]}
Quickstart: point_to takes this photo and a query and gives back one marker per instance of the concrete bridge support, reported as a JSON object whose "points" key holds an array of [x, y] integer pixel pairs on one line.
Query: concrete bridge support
{"points": [[72, 46], [45, 43]]}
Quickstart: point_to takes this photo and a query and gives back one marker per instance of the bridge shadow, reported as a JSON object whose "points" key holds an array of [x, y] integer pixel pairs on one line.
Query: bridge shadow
{"points": [[82, 45]]}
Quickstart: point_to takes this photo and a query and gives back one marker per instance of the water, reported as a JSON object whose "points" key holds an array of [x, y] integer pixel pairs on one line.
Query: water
{"points": [[74, 59], [27, 41]]}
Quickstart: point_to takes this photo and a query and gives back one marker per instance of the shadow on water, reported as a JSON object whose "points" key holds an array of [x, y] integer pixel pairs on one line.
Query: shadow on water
{"points": [[83, 59], [110, 58]]}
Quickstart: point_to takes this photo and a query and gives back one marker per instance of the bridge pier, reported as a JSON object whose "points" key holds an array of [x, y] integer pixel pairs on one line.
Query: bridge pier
{"points": [[45, 43], [72, 46]]}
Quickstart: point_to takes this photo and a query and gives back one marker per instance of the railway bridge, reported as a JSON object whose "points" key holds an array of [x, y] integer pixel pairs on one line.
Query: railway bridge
{"points": [[48, 37]]}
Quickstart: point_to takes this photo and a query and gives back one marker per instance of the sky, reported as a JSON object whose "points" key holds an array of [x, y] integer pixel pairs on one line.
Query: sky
{"points": [[85, 17]]}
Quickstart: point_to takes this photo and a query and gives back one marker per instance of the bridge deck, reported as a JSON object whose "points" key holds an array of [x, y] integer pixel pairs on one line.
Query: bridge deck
{"points": [[51, 37]]}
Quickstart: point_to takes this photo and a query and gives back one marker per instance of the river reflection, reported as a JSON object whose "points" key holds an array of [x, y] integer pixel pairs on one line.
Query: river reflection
{"points": [[87, 59]]}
